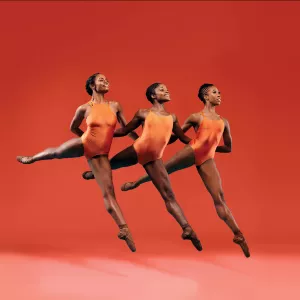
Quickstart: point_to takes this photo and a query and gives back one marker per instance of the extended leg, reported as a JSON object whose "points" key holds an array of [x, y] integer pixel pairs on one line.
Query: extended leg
{"points": [[181, 160], [125, 158], [69, 149]]}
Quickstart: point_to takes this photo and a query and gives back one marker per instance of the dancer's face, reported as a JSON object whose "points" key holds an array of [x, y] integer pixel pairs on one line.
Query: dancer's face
{"points": [[162, 93], [213, 96], [101, 84]]}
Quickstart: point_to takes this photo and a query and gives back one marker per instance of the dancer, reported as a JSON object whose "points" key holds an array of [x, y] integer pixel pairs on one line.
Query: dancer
{"points": [[209, 128], [158, 125], [101, 118]]}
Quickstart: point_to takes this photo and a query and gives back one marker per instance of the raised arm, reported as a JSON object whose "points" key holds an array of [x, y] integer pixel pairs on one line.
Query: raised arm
{"points": [[77, 120], [226, 148], [132, 125], [179, 132], [189, 122], [123, 122]]}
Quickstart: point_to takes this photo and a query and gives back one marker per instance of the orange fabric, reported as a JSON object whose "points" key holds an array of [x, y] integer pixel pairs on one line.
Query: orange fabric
{"points": [[156, 134], [101, 123], [207, 139]]}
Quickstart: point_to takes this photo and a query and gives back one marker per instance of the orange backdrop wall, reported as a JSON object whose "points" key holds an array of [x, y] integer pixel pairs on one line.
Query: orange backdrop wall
{"points": [[250, 50]]}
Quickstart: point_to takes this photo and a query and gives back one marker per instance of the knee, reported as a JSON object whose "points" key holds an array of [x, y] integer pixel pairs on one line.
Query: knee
{"points": [[109, 192], [220, 205], [218, 197], [54, 152], [168, 195], [109, 197]]}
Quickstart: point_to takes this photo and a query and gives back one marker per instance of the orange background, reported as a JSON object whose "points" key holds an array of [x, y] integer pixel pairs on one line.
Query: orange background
{"points": [[250, 50]]}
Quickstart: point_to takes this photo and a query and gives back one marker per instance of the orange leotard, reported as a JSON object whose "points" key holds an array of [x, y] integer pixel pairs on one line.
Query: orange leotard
{"points": [[156, 134], [207, 139], [101, 123]]}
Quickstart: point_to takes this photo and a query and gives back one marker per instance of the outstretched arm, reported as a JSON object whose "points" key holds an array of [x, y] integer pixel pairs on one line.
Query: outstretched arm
{"points": [[132, 125], [77, 120], [226, 148], [185, 127], [123, 122], [179, 133]]}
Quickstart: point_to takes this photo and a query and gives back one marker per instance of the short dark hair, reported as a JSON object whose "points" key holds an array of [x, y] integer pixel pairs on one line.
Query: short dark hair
{"points": [[203, 90], [150, 90], [90, 81]]}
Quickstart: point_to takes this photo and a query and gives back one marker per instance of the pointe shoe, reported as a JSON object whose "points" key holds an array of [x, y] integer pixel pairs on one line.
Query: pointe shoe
{"points": [[240, 240], [127, 186], [125, 234], [88, 175], [26, 160], [189, 234]]}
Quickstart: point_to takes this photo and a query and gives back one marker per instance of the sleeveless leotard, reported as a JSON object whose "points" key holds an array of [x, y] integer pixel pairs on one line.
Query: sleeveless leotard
{"points": [[101, 123], [156, 134], [207, 139]]}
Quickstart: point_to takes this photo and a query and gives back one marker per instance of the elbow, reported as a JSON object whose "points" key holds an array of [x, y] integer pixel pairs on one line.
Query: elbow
{"points": [[229, 149], [123, 132], [120, 133], [182, 140], [73, 129], [73, 126], [186, 141]]}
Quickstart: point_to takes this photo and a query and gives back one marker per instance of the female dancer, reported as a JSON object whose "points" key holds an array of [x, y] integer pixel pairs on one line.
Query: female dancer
{"points": [[101, 118], [158, 125], [209, 128]]}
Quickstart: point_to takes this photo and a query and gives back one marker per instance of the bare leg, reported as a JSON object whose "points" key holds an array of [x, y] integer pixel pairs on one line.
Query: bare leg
{"points": [[183, 159], [101, 168], [69, 149], [125, 158], [211, 178], [160, 179]]}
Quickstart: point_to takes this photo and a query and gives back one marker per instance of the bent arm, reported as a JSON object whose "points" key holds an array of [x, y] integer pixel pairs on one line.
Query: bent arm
{"points": [[227, 147], [132, 125], [185, 127], [123, 122], [179, 133], [77, 120]]}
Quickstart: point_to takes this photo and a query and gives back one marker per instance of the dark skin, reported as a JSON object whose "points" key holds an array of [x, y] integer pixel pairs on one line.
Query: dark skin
{"points": [[155, 169], [208, 171], [100, 164]]}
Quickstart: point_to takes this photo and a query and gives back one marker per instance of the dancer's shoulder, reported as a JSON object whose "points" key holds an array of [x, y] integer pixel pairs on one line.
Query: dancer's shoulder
{"points": [[226, 123], [195, 118], [142, 113], [83, 107], [116, 105], [174, 117]]}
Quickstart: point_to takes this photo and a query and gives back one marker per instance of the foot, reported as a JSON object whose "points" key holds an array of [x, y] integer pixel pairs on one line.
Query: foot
{"points": [[129, 186], [25, 159], [125, 234], [189, 234], [240, 240], [88, 175]]}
